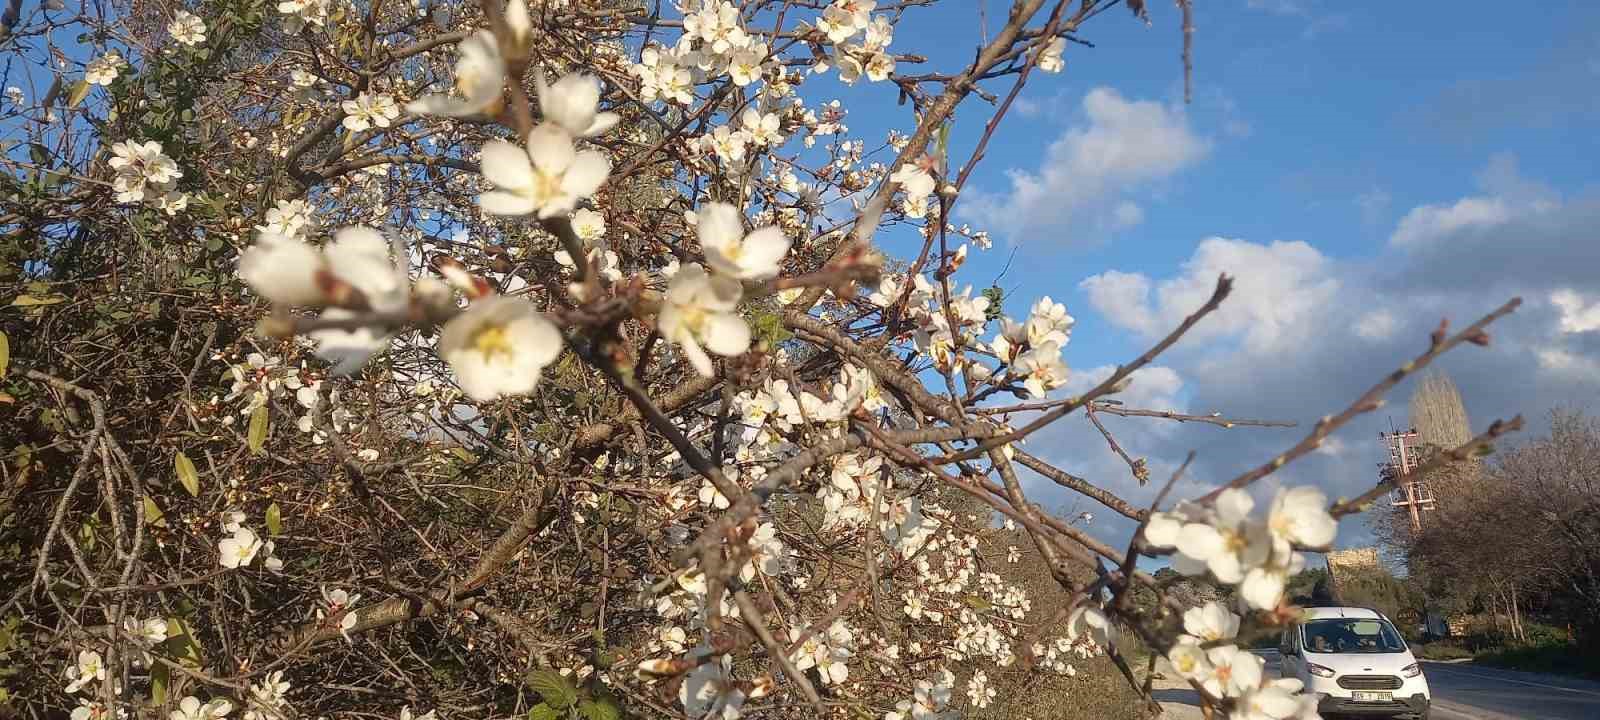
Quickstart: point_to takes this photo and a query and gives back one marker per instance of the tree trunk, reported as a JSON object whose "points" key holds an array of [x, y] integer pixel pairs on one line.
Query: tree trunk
{"points": [[1516, 618]]}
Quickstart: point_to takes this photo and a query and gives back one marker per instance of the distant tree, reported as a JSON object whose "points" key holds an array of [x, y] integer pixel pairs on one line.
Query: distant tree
{"points": [[1529, 528]]}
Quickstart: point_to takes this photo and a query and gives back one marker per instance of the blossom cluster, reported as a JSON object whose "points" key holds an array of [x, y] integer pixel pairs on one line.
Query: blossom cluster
{"points": [[1255, 553], [145, 174]]}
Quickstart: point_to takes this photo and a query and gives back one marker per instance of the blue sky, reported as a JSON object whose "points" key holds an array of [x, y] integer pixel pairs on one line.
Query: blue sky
{"points": [[1362, 168]]}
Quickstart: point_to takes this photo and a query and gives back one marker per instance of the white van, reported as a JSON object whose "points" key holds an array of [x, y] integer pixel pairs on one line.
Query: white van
{"points": [[1355, 660]]}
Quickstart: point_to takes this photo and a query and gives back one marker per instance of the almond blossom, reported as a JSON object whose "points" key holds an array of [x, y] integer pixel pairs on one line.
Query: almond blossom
{"points": [[708, 691], [1211, 622], [1050, 57], [499, 346], [141, 167], [103, 70], [88, 668], [187, 29], [1228, 546], [731, 252], [697, 313], [239, 549], [572, 105], [547, 179], [300, 13], [480, 76], [190, 708], [1042, 369], [1299, 516], [368, 110]]}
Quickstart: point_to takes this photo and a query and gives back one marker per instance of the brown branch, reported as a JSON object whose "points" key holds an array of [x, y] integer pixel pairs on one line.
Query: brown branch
{"points": [[1078, 484], [1140, 468], [1114, 407], [1464, 451]]}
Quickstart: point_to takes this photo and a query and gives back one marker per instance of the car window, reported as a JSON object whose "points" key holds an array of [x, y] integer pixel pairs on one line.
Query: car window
{"points": [[1348, 635]]}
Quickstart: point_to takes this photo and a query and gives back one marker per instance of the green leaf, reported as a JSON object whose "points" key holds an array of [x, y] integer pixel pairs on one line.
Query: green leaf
{"points": [[79, 92], [187, 474], [180, 645], [5, 353], [274, 519], [160, 677], [465, 455], [152, 513], [556, 691], [8, 632], [542, 712], [33, 300], [602, 708], [258, 429], [977, 603]]}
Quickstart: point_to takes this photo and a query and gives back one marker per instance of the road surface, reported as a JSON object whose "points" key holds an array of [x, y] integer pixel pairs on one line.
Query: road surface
{"points": [[1460, 692]]}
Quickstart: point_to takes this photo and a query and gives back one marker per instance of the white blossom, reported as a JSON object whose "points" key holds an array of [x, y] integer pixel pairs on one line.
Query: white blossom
{"points": [[1211, 622], [731, 252], [88, 668], [572, 105], [187, 28], [368, 110], [103, 70], [480, 77], [239, 549], [141, 167], [499, 346], [548, 178], [1050, 57], [698, 313], [300, 13]]}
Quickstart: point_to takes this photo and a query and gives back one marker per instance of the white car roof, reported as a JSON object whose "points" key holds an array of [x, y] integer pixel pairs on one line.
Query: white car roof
{"points": [[1323, 613]]}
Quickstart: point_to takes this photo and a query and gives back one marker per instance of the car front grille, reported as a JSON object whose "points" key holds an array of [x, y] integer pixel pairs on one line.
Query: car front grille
{"points": [[1370, 682]]}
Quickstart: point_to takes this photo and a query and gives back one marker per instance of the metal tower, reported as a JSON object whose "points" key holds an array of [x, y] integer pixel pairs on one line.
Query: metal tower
{"points": [[1413, 495]]}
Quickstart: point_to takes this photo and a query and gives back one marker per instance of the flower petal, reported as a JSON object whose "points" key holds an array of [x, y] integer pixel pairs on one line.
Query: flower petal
{"points": [[726, 335], [499, 202], [507, 166], [550, 149], [585, 173]]}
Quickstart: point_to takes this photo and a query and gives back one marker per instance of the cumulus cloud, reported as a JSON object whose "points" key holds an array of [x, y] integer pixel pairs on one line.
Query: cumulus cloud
{"points": [[1083, 185], [1579, 314], [1277, 286], [1305, 334]]}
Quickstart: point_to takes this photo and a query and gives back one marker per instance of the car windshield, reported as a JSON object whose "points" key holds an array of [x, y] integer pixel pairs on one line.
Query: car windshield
{"points": [[1352, 635]]}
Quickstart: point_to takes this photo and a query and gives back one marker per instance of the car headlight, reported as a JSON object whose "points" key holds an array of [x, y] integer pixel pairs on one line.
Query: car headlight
{"points": [[1319, 670], [1412, 670]]}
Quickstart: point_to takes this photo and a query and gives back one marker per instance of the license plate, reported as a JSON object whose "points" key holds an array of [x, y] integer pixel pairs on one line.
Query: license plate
{"points": [[1372, 696]]}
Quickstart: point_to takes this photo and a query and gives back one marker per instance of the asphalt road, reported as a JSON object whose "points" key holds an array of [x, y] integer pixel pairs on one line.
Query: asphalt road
{"points": [[1475, 692], [1460, 692]]}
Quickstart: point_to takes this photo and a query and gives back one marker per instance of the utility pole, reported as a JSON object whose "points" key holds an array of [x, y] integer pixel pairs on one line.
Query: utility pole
{"points": [[1415, 496]]}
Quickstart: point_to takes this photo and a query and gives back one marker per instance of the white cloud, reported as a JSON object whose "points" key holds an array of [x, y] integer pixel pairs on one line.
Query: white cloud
{"points": [[1578, 315], [1122, 145], [1153, 387], [1506, 195], [1377, 325], [1567, 362], [1276, 287], [1428, 223]]}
